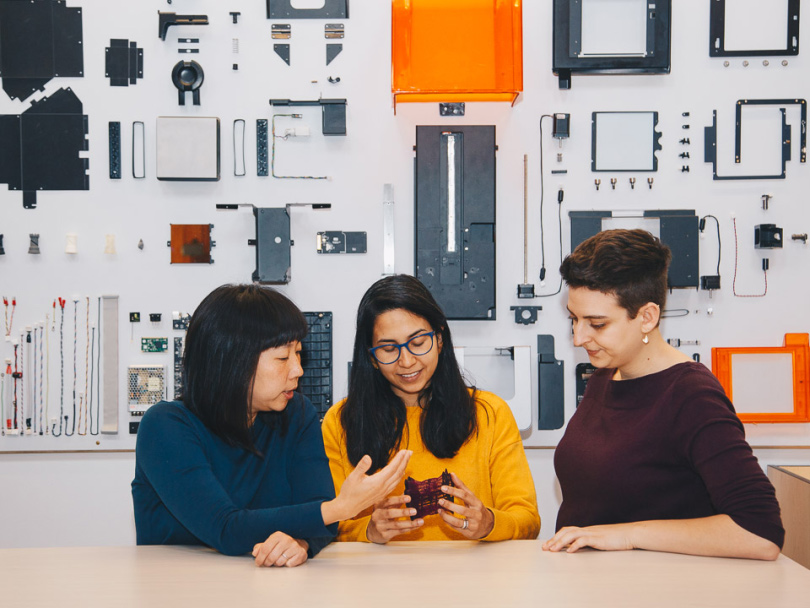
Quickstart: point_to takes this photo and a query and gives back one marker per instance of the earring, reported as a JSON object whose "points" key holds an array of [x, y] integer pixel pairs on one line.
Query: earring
{"points": [[646, 339]]}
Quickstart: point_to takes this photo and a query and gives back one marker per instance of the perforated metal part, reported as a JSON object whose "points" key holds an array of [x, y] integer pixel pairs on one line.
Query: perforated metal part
{"points": [[147, 386], [316, 359]]}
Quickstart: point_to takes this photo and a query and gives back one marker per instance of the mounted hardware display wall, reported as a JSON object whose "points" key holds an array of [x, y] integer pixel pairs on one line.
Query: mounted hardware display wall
{"points": [[573, 53], [678, 229], [760, 376], [455, 218], [456, 50]]}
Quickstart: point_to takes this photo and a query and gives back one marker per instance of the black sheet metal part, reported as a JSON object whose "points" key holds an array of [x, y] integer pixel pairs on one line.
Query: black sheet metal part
{"points": [[455, 218], [123, 62], [337, 241], [283, 51], [39, 149], [526, 315], [331, 9], [166, 20], [39, 40], [678, 229], [333, 110], [710, 145], [550, 385], [656, 143], [802, 103], [568, 58], [332, 51], [717, 33], [114, 136], [316, 360], [273, 243]]}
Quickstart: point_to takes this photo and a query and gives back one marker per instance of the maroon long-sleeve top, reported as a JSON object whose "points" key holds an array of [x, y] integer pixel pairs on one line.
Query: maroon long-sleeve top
{"points": [[663, 446]]}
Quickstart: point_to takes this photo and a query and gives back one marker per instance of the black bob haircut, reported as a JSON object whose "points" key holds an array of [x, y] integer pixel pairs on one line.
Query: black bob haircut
{"points": [[373, 417], [231, 327]]}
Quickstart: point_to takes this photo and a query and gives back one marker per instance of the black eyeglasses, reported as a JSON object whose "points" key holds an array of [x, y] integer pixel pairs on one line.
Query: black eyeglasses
{"points": [[390, 353]]}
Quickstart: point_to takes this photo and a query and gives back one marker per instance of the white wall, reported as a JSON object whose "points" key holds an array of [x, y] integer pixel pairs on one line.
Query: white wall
{"points": [[61, 498]]}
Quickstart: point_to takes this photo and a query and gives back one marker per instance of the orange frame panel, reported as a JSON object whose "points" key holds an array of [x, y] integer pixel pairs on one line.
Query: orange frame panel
{"points": [[456, 50], [798, 347]]}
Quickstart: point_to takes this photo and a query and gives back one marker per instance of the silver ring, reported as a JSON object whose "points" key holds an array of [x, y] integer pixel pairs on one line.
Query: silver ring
{"points": [[466, 524], [284, 555]]}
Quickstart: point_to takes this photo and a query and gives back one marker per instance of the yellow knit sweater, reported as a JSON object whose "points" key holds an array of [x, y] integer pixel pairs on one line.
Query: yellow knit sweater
{"points": [[492, 464]]}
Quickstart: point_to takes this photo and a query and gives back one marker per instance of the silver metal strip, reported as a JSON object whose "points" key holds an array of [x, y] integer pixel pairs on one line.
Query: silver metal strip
{"points": [[109, 349], [388, 230]]}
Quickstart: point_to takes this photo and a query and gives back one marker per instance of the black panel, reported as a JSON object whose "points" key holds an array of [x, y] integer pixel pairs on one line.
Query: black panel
{"points": [[678, 230], [550, 385], [272, 258], [460, 277], [316, 359], [331, 9], [39, 40], [123, 62], [44, 155]]}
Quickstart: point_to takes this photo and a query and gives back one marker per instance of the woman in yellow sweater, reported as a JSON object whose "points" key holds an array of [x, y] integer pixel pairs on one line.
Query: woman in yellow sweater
{"points": [[406, 392]]}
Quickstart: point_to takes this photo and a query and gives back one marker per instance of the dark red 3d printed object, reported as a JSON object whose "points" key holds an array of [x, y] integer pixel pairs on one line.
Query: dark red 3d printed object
{"points": [[425, 495]]}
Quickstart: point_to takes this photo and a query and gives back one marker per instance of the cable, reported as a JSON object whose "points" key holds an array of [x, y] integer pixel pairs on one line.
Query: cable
{"points": [[42, 330], [734, 282], [75, 374], [47, 375], [682, 313], [719, 247], [61, 368], [98, 376], [273, 151], [542, 198], [83, 413]]}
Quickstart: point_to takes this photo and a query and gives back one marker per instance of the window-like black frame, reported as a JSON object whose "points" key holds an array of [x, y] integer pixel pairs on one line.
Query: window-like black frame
{"points": [[717, 29]]}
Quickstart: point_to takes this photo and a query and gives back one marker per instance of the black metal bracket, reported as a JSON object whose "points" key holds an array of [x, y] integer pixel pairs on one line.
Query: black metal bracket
{"points": [[710, 138], [717, 29], [526, 315], [569, 58], [334, 113], [283, 51], [331, 9], [550, 385], [166, 20], [188, 76]]}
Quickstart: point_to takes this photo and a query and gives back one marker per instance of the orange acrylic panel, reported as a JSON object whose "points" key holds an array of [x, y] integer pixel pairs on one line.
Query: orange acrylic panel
{"points": [[456, 50], [795, 350]]}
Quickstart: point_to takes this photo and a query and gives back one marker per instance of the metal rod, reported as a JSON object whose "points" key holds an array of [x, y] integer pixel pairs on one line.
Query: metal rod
{"points": [[525, 219]]}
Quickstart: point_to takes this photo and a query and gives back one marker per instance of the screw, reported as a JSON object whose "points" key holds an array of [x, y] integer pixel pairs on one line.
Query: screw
{"points": [[613, 182], [766, 198], [685, 169], [800, 237], [597, 182], [685, 141], [235, 15], [684, 154], [765, 62], [632, 183], [726, 64], [784, 62], [650, 182], [745, 63]]}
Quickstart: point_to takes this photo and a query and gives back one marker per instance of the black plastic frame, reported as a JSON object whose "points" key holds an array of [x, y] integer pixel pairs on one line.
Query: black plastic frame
{"points": [[717, 30], [568, 41]]}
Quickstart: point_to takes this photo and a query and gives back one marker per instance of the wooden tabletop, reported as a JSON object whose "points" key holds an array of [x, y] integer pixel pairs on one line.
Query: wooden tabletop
{"points": [[413, 574]]}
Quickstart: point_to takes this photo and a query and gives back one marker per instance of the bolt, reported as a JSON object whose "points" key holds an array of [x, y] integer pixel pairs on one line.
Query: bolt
{"points": [[613, 182], [800, 237], [235, 15], [766, 198]]}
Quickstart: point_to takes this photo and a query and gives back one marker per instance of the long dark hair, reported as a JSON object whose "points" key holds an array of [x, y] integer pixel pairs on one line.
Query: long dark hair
{"points": [[373, 417], [231, 327]]}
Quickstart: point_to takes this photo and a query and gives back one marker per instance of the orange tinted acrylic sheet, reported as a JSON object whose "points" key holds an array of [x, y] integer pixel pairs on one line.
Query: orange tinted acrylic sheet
{"points": [[796, 346], [191, 243], [457, 50]]}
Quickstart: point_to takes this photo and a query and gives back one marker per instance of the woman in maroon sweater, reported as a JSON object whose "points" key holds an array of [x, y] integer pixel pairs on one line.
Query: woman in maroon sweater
{"points": [[654, 457]]}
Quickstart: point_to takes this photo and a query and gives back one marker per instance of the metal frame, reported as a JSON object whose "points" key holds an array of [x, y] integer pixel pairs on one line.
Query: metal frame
{"points": [[655, 147], [332, 9], [717, 32], [568, 44]]}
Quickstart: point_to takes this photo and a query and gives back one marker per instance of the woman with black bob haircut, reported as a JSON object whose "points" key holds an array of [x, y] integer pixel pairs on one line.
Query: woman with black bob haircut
{"points": [[237, 463], [655, 457], [406, 391]]}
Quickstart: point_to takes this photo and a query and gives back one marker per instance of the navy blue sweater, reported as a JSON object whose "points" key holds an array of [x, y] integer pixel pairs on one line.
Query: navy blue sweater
{"points": [[192, 488]]}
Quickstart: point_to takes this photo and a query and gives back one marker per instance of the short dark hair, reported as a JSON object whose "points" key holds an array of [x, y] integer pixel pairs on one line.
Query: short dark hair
{"points": [[231, 327], [373, 417], [630, 264]]}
